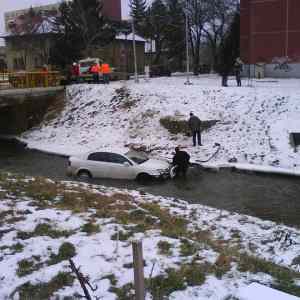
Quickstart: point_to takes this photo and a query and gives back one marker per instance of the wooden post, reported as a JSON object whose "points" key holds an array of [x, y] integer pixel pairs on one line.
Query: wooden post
{"points": [[138, 264]]}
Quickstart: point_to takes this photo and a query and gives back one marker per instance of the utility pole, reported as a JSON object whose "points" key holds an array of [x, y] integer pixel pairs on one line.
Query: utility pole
{"points": [[287, 30], [187, 46], [136, 78]]}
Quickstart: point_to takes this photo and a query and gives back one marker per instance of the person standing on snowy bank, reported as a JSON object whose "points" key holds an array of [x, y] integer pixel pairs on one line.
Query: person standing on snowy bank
{"points": [[195, 127], [181, 161], [238, 69]]}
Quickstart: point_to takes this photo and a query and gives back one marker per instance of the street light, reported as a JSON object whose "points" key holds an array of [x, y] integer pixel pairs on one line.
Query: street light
{"points": [[188, 82], [136, 78], [126, 32]]}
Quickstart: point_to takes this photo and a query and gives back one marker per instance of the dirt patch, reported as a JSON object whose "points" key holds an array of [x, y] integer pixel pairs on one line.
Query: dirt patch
{"points": [[123, 99], [175, 125]]}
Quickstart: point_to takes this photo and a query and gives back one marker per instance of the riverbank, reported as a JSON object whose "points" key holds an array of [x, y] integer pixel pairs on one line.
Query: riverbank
{"points": [[253, 125], [198, 252]]}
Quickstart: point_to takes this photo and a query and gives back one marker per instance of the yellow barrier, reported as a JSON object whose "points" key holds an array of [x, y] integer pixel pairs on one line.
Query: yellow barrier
{"points": [[22, 80]]}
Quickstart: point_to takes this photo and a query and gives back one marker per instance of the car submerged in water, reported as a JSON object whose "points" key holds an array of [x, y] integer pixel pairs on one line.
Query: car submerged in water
{"points": [[116, 165]]}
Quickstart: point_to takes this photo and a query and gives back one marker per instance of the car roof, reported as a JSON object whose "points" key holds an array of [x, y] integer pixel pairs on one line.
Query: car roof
{"points": [[116, 151]]}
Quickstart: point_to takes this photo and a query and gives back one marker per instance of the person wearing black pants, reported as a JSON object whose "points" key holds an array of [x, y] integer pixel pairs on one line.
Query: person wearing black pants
{"points": [[181, 160], [195, 126]]}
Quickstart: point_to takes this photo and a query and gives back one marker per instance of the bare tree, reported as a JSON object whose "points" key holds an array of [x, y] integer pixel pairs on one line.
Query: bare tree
{"points": [[219, 17], [197, 13]]}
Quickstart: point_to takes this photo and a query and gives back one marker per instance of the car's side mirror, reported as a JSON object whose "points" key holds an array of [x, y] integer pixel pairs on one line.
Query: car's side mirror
{"points": [[126, 164]]}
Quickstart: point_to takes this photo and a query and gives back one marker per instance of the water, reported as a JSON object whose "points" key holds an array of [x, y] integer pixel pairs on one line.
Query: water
{"points": [[270, 197]]}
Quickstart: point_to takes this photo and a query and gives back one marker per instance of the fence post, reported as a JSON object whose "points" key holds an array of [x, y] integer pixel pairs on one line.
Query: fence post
{"points": [[138, 264]]}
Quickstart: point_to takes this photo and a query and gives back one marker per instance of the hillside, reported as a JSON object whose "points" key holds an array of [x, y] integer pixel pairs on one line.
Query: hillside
{"points": [[253, 122]]}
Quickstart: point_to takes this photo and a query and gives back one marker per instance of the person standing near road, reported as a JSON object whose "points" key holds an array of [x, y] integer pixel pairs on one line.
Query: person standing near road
{"points": [[238, 68], [75, 72], [181, 161], [195, 127], [106, 70], [95, 70]]}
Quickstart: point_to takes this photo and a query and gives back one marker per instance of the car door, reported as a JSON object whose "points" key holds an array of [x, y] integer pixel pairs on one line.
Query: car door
{"points": [[99, 164], [121, 167]]}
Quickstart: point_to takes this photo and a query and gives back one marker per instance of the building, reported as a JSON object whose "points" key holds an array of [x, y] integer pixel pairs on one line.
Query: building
{"points": [[3, 65], [30, 37], [270, 37]]}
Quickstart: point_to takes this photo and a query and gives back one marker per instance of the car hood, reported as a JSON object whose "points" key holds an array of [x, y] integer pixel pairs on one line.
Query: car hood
{"points": [[155, 164]]}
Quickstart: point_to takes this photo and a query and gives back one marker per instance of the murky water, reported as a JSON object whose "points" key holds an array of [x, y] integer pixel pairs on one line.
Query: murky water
{"points": [[270, 197]]}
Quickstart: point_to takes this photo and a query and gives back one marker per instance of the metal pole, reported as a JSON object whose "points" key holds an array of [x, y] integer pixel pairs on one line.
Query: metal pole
{"points": [[136, 78], [287, 30], [187, 46]]}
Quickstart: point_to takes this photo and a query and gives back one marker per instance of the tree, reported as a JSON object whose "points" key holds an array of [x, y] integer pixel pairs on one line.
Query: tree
{"points": [[175, 33], [196, 12], [230, 49], [82, 29], [156, 24], [138, 13], [220, 15]]}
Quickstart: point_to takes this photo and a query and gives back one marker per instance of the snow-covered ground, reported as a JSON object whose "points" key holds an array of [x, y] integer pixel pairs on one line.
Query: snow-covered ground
{"points": [[253, 128], [207, 249]]}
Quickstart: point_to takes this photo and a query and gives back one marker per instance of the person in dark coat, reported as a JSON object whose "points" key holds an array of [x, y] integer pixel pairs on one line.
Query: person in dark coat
{"points": [[181, 159], [238, 68], [195, 127]]}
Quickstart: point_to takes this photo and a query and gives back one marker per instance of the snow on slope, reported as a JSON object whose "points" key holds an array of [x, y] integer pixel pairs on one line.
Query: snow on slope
{"points": [[254, 126]]}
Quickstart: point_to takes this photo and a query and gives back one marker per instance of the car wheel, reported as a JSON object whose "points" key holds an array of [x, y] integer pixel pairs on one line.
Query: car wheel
{"points": [[143, 177], [84, 174]]}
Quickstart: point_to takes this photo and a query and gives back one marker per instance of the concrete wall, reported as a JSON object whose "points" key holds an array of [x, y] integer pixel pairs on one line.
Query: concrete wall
{"points": [[269, 71], [25, 113]]}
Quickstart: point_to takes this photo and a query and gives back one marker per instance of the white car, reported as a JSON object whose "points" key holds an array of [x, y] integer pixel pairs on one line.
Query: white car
{"points": [[131, 165]]}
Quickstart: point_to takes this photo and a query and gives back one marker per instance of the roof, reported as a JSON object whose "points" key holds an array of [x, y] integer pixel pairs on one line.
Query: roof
{"points": [[32, 21], [129, 37]]}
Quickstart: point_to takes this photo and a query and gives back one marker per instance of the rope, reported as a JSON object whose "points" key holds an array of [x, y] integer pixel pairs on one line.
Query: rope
{"points": [[213, 155]]}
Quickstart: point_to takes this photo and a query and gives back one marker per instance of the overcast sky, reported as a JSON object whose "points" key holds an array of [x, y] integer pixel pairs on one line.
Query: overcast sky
{"points": [[8, 5]]}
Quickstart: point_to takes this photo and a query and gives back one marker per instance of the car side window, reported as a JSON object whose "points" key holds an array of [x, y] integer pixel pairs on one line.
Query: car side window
{"points": [[99, 156], [118, 159]]}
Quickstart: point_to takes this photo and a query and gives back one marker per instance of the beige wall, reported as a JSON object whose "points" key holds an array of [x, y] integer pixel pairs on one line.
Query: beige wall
{"points": [[28, 53], [119, 54], [32, 52]]}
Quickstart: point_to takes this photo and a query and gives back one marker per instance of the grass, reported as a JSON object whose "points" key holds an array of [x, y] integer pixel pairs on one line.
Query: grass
{"points": [[164, 248], [121, 235], [28, 266], [284, 277], [112, 278], [176, 126], [44, 291], [171, 226], [123, 209], [90, 228], [15, 248], [43, 229], [126, 292], [65, 251], [174, 280], [188, 248], [222, 265]]}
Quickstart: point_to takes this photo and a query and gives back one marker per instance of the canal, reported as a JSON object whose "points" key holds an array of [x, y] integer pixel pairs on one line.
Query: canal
{"points": [[270, 197]]}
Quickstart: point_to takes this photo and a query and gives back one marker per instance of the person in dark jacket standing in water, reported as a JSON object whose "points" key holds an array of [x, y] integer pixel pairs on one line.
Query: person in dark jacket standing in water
{"points": [[181, 160], [195, 126]]}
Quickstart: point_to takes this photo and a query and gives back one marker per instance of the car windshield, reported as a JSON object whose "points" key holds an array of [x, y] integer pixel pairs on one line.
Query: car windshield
{"points": [[137, 157], [87, 63]]}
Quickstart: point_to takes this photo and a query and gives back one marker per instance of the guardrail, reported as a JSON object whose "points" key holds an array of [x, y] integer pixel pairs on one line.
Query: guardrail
{"points": [[22, 80]]}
